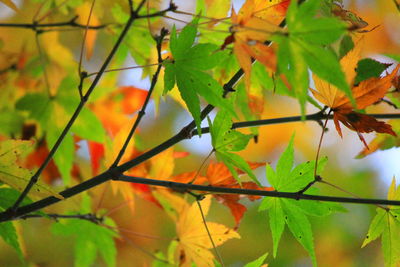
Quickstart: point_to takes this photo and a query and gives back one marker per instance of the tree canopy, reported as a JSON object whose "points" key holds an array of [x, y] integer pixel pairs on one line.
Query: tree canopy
{"points": [[199, 133]]}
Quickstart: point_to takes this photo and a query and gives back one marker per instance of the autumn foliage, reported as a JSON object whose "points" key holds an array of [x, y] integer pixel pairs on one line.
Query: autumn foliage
{"points": [[103, 105]]}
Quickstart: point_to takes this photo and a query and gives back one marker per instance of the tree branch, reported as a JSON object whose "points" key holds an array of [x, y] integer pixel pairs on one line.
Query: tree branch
{"points": [[252, 192], [117, 171], [84, 99], [42, 26], [88, 217]]}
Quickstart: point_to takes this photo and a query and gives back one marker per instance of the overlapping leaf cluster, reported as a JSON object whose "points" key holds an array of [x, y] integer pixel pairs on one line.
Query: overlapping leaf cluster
{"points": [[40, 90]]}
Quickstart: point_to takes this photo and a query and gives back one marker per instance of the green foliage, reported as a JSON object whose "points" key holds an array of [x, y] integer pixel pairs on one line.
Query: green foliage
{"points": [[293, 212], [386, 224], [187, 70], [39, 86], [304, 46], [225, 140], [90, 238], [368, 68], [41, 108], [7, 229], [346, 44], [257, 262]]}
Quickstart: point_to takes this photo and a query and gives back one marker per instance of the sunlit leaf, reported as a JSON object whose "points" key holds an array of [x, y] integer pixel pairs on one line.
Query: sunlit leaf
{"points": [[16, 176], [194, 242], [386, 224]]}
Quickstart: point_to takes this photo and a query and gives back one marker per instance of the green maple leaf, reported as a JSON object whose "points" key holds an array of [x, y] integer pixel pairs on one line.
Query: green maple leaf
{"points": [[90, 238], [188, 70], [304, 47], [258, 262], [225, 140], [386, 224], [8, 197], [294, 212], [368, 68]]}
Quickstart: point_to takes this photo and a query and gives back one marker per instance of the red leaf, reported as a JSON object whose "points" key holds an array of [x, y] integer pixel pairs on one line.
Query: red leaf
{"points": [[96, 151]]}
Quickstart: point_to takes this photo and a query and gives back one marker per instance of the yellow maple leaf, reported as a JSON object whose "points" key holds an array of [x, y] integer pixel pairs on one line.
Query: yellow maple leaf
{"points": [[14, 175], [194, 242], [162, 165], [111, 152], [329, 94]]}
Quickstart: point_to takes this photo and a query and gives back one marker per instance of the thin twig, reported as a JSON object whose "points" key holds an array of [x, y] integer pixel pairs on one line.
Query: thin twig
{"points": [[347, 192], [42, 26], [138, 234], [84, 39], [159, 39], [209, 234], [84, 99], [317, 178], [43, 63], [202, 165], [132, 244], [126, 68]]}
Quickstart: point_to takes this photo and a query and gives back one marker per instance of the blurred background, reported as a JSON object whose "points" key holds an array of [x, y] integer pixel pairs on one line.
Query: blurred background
{"points": [[338, 237]]}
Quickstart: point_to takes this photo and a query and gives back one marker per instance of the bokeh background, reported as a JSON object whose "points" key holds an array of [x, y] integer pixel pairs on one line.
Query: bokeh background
{"points": [[338, 237]]}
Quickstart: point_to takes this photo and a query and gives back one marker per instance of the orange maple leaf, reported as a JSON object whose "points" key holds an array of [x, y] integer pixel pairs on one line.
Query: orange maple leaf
{"points": [[219, 175], [365, 94], [252, 26], [114, 109]]}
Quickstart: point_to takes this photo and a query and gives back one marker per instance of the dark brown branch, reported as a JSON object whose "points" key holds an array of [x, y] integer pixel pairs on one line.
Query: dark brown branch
{"points": [[88, 217], [84, 99], [113, 173], [42, 26], [182, 187]]}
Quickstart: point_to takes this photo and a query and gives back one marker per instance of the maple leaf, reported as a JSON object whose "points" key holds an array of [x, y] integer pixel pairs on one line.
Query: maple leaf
{"points": [[252, 26], [225, 140], [187, 69], [37, 157], [351, 18], [42, 109], [90, 238], [366, 93], [194, 242], [383, 141], [292, 212], [303, 47], [16, 176], [111, 151], [96, 152], [219, 175], [113, 109], [386, 224]]}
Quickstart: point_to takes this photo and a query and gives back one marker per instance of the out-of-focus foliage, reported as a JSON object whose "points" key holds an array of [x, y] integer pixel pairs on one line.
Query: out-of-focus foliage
{"points": [[52, 69]]}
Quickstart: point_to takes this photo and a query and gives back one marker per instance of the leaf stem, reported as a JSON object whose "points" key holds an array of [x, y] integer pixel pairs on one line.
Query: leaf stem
{"points": [[209, 234]]}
